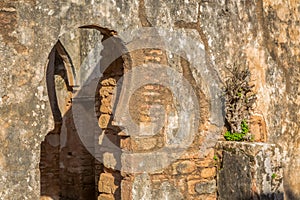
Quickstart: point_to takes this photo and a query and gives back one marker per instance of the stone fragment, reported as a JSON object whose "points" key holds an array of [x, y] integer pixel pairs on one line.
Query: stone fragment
{"points": [[109, 160], [109, 82], [184, 167], [104, 120], [206, 187], [201, 187], [107, 183], [106, 91]]}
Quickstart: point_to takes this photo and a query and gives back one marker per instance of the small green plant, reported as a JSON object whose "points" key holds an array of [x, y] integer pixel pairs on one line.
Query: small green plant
{"points": [[244, 127], [234, 136], [238, 136], [215, 157], [274, 176]]}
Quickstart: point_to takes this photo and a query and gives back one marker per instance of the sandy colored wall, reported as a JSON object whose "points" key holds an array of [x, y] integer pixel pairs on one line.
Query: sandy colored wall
{"points": [[263, 35]]}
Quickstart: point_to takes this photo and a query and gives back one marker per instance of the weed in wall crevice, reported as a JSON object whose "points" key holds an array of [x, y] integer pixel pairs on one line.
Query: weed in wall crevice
{"points": [[239, 101]]}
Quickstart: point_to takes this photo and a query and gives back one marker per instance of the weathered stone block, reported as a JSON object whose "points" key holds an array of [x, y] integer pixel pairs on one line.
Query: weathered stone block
{"points": [[146, 143], [206, 187], [104, 120], [167, 191], [107, 183], [199, 187], [184, 167], [249, 171], [140, 162]]}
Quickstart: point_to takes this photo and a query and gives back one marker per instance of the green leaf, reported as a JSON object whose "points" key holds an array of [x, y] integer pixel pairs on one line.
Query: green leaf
{"points": [[234, 136]]}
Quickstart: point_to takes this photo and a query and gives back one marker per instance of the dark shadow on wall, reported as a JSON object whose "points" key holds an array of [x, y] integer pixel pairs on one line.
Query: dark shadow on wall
{"points": [[68, 169], [114, 61]]}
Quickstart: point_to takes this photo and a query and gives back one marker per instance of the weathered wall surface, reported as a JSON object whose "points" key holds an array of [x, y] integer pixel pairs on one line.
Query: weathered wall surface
{"points": [[256, 166], [263, 35]]}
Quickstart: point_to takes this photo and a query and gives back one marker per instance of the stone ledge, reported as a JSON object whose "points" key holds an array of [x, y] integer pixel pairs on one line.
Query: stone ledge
{"points": [[249, 170]]}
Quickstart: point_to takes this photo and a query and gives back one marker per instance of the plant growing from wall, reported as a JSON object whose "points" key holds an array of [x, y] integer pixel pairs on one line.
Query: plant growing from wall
{"points": [[274, 176], [239, 101]]}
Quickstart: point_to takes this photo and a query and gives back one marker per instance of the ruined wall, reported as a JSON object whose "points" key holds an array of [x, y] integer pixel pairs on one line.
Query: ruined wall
{"points": [[263, 35]]}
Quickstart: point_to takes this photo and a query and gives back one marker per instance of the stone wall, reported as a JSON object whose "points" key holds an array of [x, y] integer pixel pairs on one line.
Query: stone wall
{"points": [[260, 34], [258, 168]]}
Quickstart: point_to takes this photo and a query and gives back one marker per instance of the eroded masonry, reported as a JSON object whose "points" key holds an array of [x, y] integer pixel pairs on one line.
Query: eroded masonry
{"points": [[125, 99]]}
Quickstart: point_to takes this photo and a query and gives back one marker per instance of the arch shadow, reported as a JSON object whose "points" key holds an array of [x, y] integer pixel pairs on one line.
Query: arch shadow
{"points": [[69, 169]]}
